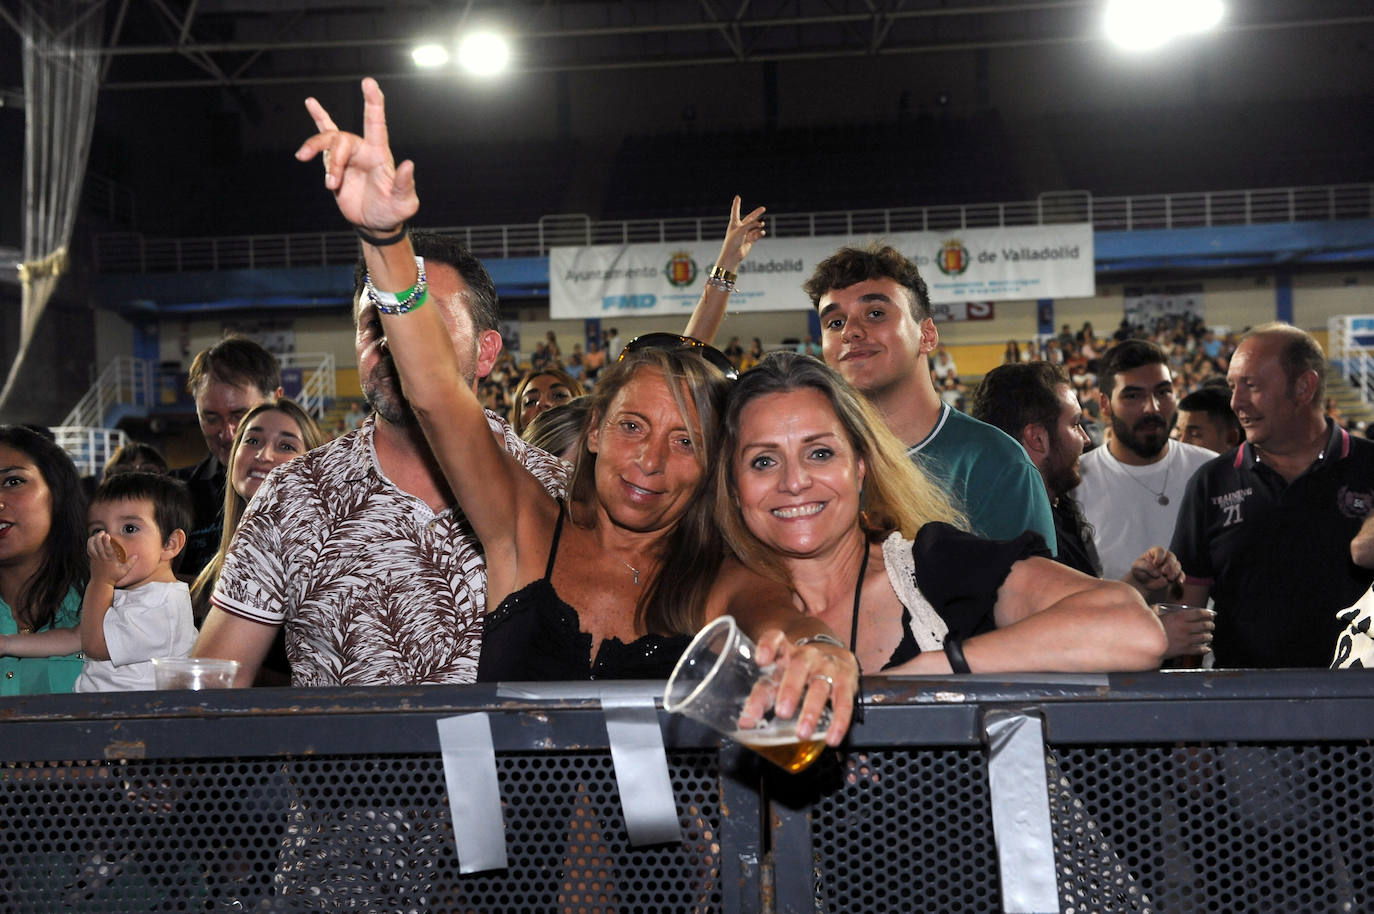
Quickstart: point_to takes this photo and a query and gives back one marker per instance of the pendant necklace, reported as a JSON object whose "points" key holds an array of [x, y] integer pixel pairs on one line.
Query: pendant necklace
{"points": [[633, 570], [1160, 497]]}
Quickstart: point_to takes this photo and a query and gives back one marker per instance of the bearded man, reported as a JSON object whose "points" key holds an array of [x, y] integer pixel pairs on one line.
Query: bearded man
{"points": [[359, 548], [1133, 485]]}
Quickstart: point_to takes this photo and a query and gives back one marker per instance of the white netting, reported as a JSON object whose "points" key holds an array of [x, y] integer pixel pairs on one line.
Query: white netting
{"points": [[61, 82]]}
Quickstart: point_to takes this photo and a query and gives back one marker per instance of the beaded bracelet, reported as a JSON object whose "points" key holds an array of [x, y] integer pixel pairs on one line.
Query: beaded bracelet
{"points": [[402, 302]]}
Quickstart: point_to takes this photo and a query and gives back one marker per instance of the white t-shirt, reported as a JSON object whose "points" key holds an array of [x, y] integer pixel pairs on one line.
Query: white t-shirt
{"points": [[1122, 502], [146, 622]]}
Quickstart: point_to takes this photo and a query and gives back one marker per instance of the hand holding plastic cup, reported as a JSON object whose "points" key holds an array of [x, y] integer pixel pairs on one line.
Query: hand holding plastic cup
{"points": [[194, 673], [1190, 633], [714, 679]]}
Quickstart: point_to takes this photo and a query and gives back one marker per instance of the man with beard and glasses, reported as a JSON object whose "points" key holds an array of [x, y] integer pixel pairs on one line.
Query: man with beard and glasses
{"points": [[356, 547], [1035, 403], [1133, 485]]}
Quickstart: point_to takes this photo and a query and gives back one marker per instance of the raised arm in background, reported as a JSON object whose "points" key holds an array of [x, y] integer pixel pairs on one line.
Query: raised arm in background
{"points": [[740, 235]]}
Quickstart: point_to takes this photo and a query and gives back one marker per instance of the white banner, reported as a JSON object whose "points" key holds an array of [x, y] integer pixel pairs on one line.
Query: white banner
{"points": [[977, 265]]}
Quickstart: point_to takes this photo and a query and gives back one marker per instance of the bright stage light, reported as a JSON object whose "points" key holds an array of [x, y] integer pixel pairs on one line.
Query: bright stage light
{"points": [[429, 55], [1142, 25], [483, 53]]}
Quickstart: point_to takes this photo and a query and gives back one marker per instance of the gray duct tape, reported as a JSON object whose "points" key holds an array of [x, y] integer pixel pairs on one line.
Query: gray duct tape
{"points": [[474, 794], [641, 764], [1021, 812]]}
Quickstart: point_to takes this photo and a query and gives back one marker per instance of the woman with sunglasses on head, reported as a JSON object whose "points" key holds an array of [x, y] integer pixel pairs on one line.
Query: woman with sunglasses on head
{"points": [[613, 583], [814, 489]]}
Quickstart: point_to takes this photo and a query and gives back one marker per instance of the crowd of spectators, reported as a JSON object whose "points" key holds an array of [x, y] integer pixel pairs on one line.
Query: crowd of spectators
{"points": [[1198, 358], [418, 485]]}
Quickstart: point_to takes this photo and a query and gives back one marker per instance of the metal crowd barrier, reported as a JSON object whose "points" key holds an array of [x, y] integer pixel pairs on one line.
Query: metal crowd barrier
{"points": [[1165, 792]]}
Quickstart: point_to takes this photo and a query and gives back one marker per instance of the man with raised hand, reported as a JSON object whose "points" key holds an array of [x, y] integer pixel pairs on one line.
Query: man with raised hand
{"points": [[357, 547]]}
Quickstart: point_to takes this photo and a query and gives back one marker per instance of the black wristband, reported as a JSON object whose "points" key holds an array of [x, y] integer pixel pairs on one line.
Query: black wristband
{"points": [[954, 650], [383, 242]]}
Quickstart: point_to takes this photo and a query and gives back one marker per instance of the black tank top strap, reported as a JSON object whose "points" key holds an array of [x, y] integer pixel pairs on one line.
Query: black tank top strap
{"points": [[553, 547]]}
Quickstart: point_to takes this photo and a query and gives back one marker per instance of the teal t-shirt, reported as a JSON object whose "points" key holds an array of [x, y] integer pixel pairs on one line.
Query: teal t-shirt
{"points": [[39, 675], [989, 475]]}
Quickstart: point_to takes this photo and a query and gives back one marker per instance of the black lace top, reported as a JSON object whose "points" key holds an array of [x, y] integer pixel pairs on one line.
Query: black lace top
{"points": [[535, 636], [959, 574]]}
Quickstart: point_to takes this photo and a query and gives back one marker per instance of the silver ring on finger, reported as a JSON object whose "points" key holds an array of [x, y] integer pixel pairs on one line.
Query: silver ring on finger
{"points": [[828, 681]]}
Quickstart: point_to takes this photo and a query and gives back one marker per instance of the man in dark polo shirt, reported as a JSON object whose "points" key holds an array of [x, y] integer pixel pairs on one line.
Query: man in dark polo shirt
{"points": [[226, 380], [1266, 529]]}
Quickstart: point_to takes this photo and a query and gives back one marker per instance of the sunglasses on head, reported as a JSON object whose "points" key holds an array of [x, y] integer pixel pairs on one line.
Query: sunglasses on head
{"points": [[674, 341]]}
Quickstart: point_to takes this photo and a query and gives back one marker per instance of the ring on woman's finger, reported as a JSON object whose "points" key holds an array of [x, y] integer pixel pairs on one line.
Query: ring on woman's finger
{"points": [[828, 681]]}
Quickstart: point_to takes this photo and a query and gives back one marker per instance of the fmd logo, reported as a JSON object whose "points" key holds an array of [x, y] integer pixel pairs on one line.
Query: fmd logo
{"points": [[681, 269], [628, 302], [953, 258]]}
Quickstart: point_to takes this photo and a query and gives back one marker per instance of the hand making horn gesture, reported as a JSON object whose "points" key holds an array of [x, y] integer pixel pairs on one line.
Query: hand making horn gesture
{"points": [[372, 192]]}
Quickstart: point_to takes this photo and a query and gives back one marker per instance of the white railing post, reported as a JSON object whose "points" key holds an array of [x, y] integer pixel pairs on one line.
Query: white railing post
{"points": [[89, 448]]}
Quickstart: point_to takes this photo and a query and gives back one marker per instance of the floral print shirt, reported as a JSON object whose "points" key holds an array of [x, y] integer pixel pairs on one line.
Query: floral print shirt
{"points": [[374, 588]]}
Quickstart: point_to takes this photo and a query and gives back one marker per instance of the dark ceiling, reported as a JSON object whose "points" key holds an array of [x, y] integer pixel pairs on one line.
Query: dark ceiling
{"points": [[156, 44], [200, 97]]}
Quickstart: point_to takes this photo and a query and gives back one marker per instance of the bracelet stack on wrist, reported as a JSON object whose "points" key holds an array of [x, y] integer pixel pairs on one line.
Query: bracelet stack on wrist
{"points": [[398, 302], [722, 278]]}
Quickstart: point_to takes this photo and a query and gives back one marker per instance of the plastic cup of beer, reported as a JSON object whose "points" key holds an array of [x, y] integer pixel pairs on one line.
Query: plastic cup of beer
{"points": [[194, 673], [1188, 661], [712, 682]]}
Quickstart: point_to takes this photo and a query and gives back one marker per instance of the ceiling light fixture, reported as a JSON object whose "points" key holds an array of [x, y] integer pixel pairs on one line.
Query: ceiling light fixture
{"points": [[429, 56], [1143, 25], [483, 53]]}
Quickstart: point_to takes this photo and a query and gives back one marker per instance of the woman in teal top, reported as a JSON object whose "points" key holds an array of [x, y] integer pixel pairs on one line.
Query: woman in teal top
{"points": [[42, 556]]}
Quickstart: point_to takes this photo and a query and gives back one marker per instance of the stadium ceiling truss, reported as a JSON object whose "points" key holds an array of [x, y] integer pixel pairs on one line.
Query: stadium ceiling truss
{"points": [[158, 44]]}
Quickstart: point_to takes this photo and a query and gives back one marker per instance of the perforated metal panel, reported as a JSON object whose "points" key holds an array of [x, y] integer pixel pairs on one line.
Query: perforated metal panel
{"points": [[1205, 793], [1234, 827], [343, 834], [1186, 828], [873, 835]]}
